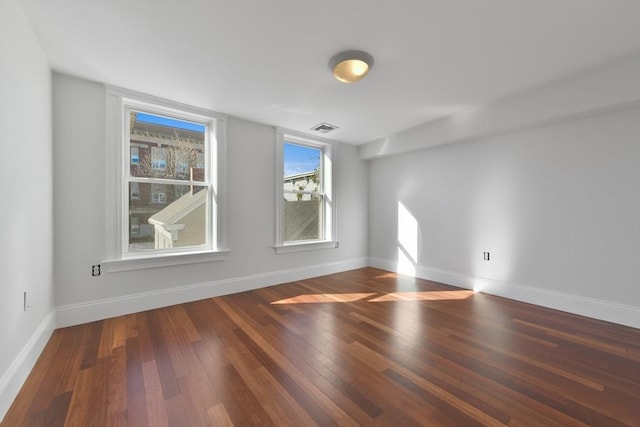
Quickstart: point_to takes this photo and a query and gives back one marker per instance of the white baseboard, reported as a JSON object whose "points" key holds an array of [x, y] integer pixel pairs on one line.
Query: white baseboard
{"points": [[76, 314], [14, 377], [622, 314]]}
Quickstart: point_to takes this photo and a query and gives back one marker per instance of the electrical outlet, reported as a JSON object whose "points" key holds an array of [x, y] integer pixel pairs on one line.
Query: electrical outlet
{"points": [[486, 256], [95, 270]]}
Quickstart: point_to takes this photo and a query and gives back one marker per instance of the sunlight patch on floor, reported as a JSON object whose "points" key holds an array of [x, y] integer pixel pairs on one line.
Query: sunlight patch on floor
{"points": [[423, 296], [392, 296], [319, 298], [388, 276]]}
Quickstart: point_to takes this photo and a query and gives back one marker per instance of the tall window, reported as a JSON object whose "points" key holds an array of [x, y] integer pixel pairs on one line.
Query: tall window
{"points": [[135, 156], [166, 167], [306, 207], [172, 188]]}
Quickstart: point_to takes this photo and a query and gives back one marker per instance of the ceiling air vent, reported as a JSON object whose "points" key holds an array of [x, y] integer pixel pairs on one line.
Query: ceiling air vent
{"points": [[324, 127]]}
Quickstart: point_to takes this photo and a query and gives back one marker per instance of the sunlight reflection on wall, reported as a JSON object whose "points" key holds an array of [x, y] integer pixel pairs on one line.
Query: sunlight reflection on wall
{"points": [[407, 241]]}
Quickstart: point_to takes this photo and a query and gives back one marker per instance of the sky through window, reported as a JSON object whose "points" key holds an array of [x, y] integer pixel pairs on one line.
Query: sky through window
{"points": [[166, 121], [300, 159]]}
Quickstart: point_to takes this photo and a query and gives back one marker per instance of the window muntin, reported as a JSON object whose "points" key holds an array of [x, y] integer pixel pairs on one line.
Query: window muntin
{"points": [[168, 205]]}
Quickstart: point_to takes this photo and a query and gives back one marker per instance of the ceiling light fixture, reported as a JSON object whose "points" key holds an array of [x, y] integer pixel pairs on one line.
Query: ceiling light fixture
{"points": [[351, 66]]}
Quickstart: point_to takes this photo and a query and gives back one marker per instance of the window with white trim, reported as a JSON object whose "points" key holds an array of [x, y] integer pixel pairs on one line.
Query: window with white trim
{"points": [[170, 192], [306, 204]]}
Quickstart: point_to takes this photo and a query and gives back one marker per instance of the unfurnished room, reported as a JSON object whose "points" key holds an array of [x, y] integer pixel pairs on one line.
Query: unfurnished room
{"points": [[320, 213]]}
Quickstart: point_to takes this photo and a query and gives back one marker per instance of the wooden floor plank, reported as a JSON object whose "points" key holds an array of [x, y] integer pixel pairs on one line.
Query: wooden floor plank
{"points": [[136, 392], [219, 416], [363, 347], [117, 382]]}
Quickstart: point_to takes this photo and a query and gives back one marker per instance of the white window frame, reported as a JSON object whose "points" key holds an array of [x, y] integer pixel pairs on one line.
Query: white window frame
{"points": [[119, 258], [327, 163]]}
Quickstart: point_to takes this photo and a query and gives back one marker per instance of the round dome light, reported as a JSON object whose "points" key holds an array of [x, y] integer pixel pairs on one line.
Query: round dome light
{"points": [[351, 66]]}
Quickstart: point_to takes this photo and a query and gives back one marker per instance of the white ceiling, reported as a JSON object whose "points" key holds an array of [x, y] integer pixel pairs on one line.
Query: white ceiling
{"points": [[267, 60]]}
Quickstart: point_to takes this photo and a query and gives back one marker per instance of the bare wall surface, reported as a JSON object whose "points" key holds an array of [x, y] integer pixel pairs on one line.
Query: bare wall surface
{"points": [[557, 207], [79, 178], [25, 178]]}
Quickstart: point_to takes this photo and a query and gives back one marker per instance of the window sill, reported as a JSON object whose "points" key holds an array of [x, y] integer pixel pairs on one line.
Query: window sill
{"points": [[163, 260], [306, 246]]}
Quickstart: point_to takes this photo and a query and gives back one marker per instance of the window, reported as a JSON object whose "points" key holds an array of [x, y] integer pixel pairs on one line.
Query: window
{"points": [[200, 161], [169, 192], [135, 156], [135, 191], [159, 159], [180, 219], [184, 163], [135, 226], [306, 207], [158, 196]]}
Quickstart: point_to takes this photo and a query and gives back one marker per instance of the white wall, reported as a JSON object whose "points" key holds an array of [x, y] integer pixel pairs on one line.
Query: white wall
{"points": [[25, 215], [557, 206], [599, 88], [79, 207]]}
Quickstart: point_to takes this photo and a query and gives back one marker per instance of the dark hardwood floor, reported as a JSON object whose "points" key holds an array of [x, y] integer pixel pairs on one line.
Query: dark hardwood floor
{"points": [[364, 347]]}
